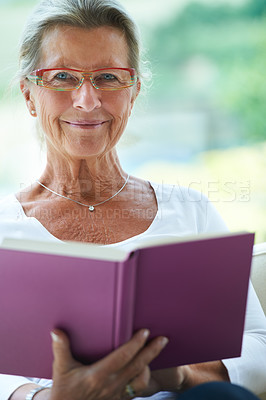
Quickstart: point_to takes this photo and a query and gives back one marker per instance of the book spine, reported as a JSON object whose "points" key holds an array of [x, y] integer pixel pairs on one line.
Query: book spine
{"points": [[125, 300]]}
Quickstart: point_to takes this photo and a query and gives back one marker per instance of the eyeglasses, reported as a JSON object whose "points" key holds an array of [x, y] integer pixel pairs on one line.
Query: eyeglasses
{"points": [[66, 79]]}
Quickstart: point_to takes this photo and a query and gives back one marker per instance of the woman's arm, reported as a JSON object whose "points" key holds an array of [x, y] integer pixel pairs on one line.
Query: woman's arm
{"points": [[10, 383], [22, 391], [184, 377], [204, 372]]}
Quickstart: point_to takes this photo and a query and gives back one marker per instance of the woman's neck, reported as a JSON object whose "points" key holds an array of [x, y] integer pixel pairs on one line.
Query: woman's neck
{"points": [[92, 178]]}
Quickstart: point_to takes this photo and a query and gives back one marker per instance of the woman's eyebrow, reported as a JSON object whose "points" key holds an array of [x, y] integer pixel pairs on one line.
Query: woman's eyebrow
{"points": [[71, 66]]}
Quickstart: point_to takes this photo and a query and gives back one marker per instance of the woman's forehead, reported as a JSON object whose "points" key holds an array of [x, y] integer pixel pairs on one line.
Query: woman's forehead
{"points": [[84, 48]]}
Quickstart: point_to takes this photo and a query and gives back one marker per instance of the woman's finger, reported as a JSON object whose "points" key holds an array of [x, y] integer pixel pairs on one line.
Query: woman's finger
{"points": [[143, 358], [63, 360], [120, 357], [138, 385]]}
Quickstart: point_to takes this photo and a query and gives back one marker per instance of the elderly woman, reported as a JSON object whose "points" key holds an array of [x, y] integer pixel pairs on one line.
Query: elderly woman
{"points": [[80, 76]]}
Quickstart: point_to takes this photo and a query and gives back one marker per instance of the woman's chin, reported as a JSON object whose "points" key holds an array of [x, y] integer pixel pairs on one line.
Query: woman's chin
{"points": [[84, 151]]}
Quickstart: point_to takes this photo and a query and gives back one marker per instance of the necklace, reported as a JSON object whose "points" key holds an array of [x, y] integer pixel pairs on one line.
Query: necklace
{"points": [[90, 207]]}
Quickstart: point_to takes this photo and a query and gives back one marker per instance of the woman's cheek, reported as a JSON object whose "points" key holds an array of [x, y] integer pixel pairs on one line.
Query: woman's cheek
{"points": [[121, 107], [49, 110]]}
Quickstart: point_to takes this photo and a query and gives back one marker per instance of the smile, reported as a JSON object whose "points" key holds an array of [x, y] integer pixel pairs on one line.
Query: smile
{"points": [[85, 124]]}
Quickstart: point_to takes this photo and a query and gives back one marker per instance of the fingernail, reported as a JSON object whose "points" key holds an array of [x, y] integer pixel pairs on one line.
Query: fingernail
{"points": [[164, 341], [55, 337], [146, 333]]}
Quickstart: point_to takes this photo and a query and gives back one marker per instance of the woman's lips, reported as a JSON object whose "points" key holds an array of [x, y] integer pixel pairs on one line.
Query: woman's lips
{"points": [[86, 124]]}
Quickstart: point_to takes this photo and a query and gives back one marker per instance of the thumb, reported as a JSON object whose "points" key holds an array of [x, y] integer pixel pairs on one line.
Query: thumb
{"points": [[63, 360]]}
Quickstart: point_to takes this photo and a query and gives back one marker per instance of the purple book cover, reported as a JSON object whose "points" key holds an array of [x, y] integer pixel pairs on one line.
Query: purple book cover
{"points": [[194, 292], [199, 301]]}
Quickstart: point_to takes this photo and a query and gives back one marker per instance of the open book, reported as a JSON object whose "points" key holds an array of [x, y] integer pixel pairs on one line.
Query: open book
{"points": [[192, 290]]}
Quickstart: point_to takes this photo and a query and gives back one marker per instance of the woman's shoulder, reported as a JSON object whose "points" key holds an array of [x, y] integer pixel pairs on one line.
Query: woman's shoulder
{"points": [[10, 216], [190, 208], [15, 224], [9, 207], [179, 193]]}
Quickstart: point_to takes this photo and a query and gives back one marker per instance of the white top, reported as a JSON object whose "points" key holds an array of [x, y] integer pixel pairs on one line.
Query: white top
{"points": [[181, 211]]}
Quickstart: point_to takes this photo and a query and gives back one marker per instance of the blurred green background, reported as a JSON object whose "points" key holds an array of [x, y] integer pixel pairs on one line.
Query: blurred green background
{"points": [[199, 122]]}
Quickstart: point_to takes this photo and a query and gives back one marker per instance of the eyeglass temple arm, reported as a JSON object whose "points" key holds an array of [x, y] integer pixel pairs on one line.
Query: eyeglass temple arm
{"points": [[34, 78]]}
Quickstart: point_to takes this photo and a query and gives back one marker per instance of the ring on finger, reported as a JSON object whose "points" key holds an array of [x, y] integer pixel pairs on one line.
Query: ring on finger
{"points": [[130, 391]]}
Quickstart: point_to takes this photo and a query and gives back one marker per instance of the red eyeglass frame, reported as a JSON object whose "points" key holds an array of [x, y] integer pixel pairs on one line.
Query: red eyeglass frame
{"points": [[37, 77]]}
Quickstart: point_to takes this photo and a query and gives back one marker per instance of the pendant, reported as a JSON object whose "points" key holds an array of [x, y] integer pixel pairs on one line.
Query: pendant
{"points": [[91, 208]]}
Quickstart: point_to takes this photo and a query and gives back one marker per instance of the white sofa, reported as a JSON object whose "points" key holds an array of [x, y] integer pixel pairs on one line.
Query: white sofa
{"points": [[258, 277]]}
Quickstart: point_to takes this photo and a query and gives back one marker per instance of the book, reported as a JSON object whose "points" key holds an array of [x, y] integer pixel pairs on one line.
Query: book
{"points": [[192, 290]]}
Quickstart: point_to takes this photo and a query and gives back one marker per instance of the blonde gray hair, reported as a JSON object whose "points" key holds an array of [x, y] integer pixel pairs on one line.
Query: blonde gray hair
{"points": [[86, 14]]}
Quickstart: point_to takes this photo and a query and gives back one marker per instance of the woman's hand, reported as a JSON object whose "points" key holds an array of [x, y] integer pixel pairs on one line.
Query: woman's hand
{"points": [[107, 378], [171, 380], [184, 377]]}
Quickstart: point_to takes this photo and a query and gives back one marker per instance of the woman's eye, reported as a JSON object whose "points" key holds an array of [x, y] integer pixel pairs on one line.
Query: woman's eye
{"points": [[63, 76], [108, 77]]}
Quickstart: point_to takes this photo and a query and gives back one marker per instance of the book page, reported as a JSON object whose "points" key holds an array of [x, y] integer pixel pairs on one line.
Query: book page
{"points": [[103, 252], [73, 249]]}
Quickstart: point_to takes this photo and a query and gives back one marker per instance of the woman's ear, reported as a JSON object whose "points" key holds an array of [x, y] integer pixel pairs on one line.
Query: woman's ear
{"points": [[138, 87], [135, 94], [25, 89]]}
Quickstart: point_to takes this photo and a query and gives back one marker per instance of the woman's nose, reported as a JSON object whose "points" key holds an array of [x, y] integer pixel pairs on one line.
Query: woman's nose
{"points": [[87, 97]]}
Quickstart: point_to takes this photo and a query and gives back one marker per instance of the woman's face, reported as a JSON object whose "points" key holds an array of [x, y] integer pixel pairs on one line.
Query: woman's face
{"points": [[85, 122]]}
